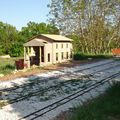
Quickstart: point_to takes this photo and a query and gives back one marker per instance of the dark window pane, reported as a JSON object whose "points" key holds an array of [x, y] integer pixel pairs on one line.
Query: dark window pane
{"points": [[48, 57], [56, 56]]}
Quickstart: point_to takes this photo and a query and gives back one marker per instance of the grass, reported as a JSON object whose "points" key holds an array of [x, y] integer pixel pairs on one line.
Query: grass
{"points": [[104, 107], [7, 65]]}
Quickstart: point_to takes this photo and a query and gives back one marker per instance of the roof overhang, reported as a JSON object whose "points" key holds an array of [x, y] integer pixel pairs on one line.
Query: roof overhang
{"points": [[34, 42], [57, 38]]}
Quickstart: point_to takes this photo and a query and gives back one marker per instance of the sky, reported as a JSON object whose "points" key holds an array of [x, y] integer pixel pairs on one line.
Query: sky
{"points": [[19, 12]]}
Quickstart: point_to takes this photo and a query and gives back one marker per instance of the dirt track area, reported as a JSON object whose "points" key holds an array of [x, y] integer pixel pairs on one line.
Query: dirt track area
{"points": [[33, 71], [46, 95]]}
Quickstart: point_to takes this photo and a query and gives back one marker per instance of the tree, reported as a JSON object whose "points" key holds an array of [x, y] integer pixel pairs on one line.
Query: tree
{"points": [[96, 23], [34, 29], [8, 36], [11, 40]]}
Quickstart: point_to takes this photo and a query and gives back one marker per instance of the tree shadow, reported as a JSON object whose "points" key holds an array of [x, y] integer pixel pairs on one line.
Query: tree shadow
{"points": [[14, 110]]}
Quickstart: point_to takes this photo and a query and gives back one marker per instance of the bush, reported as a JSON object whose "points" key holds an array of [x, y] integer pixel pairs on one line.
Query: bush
{"points": [[8, 66], [16, 50], [81, 56]]}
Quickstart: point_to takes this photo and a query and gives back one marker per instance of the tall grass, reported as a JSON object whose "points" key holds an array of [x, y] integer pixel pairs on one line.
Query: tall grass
{"points": [[7, 65], [105, 107]]}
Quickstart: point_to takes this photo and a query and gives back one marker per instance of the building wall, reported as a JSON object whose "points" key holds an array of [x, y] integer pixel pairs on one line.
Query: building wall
{"points": [[59, 48], [47, 50], [52, 48]]}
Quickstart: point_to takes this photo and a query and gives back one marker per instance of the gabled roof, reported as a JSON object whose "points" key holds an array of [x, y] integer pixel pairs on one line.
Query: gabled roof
{"points": [[56, 37], [35, 42]]}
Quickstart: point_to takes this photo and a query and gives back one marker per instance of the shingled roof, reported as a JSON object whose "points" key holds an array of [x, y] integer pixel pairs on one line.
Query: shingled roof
{"points": [[56, 37], [35, 42]]}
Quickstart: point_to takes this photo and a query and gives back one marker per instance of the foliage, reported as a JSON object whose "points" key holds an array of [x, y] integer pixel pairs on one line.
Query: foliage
{"points": [[93, 24], [11, 40], [16, 50], [81, 56], [34, 29], [104, 107], [8, 36]]}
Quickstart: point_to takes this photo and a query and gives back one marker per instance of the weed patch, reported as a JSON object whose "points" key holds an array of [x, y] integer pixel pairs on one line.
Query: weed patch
{"points": [[104, 107]]}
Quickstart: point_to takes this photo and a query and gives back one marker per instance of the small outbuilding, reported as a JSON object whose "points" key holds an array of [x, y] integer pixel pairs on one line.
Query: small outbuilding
{"points": [[47, 49]]}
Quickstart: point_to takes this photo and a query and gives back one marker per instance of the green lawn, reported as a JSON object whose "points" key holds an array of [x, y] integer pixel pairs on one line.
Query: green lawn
{"points": [[105, 107], [7, 65]]}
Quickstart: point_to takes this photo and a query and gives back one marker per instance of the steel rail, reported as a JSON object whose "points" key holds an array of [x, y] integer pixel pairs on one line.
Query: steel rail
{"points": [[31, 94], [37, 81], [57, 103]]}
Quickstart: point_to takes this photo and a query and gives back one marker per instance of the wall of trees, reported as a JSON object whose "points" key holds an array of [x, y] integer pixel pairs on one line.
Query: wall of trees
{"points": [[12, 40], [93, 24]]}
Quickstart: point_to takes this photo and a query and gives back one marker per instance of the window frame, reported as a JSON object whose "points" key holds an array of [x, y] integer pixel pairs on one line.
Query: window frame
{"points": [[62, 45], [56, 45], [66, 45], [57, 56], [67, 55], [48, 57], [62, 55]]}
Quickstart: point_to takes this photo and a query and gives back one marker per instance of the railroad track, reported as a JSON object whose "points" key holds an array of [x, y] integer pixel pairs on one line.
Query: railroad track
{"points": [[50, 78], [53, 106], [38, 92]]}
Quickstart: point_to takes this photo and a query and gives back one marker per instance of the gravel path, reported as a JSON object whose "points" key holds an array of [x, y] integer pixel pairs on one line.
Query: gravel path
{"points": [[22, 108]]}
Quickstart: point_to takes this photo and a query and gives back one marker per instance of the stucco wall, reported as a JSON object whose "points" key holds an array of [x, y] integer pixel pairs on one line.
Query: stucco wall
{"points": [[50, 48], [59, 50], [47, 49]]}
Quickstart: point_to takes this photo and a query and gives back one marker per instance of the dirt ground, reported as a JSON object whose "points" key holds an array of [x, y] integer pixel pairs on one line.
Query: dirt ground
{"points": [[33, 71]]}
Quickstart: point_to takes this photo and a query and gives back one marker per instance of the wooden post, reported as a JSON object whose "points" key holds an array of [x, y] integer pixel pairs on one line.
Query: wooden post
{"points": [[28, 50], [45, 59], [24, 55], [40, 56], [28, 57]]}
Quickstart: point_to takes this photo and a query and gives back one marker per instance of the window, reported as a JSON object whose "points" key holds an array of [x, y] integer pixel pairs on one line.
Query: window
{"points": [[56, 46], [61, 45], [42, 53], [56, 56], [48, 57], [71, 54], [62, 55], [67, 55], [67, 45]]}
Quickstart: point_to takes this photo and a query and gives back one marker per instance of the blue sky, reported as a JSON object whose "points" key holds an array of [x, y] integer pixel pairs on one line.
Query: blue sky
{"points": [[20, 12]]}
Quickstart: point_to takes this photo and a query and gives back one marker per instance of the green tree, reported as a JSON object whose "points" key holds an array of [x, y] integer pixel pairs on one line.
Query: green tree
{"points": [[96, 23], [11, 40], [34, 29], [8, 36]]}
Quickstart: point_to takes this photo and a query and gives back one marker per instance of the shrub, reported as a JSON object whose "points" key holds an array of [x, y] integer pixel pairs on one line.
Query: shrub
{"points": [[81, 56]]}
